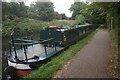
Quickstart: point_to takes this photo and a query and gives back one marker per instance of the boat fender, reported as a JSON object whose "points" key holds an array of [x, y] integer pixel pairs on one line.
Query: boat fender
{"points": [[10, 73]]}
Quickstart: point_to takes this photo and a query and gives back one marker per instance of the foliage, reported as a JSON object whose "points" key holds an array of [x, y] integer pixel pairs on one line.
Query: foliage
{"points": [[76, 8], [43, 10], [27, 26], [62, 23], [80, 19], [49, 69], [22, 19], [13, 10], [57, 16], [63, 16], [37, 10], [90, 13], [115, 66]]}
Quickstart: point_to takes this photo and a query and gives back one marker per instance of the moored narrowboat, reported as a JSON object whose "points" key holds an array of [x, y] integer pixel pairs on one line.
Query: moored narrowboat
{"points": [[26, 54]]}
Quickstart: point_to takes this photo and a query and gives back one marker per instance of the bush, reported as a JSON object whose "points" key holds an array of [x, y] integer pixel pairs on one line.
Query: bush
{"points": [[29, 26]]}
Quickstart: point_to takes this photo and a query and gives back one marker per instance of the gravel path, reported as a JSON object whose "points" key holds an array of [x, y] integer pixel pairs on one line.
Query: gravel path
{"points": [[92, 60]]}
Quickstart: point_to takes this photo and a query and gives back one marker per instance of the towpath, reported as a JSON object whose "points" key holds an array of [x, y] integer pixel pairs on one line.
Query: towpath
{"points": [[92, 61]]}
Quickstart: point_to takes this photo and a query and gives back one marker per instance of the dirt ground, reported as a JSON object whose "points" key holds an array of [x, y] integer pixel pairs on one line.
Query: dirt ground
{"points": [[92, 61]]}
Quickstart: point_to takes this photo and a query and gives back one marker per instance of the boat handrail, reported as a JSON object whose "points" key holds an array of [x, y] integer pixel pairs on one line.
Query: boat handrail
{"points": [[30, 42]]}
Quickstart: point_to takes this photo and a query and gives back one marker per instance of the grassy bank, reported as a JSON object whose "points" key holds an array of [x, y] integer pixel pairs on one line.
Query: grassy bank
{"points": [[116, 54], [29, 26], [49, 69]]}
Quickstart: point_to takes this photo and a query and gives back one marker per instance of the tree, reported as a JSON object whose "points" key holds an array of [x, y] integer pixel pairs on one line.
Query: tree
{"points": [[90, 13], [44, 10], [63, 16], [80, 19], [57, 16], [76, 8], [13, 9]]}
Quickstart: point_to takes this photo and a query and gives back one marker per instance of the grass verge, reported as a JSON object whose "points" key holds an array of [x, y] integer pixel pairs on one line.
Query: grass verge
{"points": [[115, 64], [48, 70]]}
